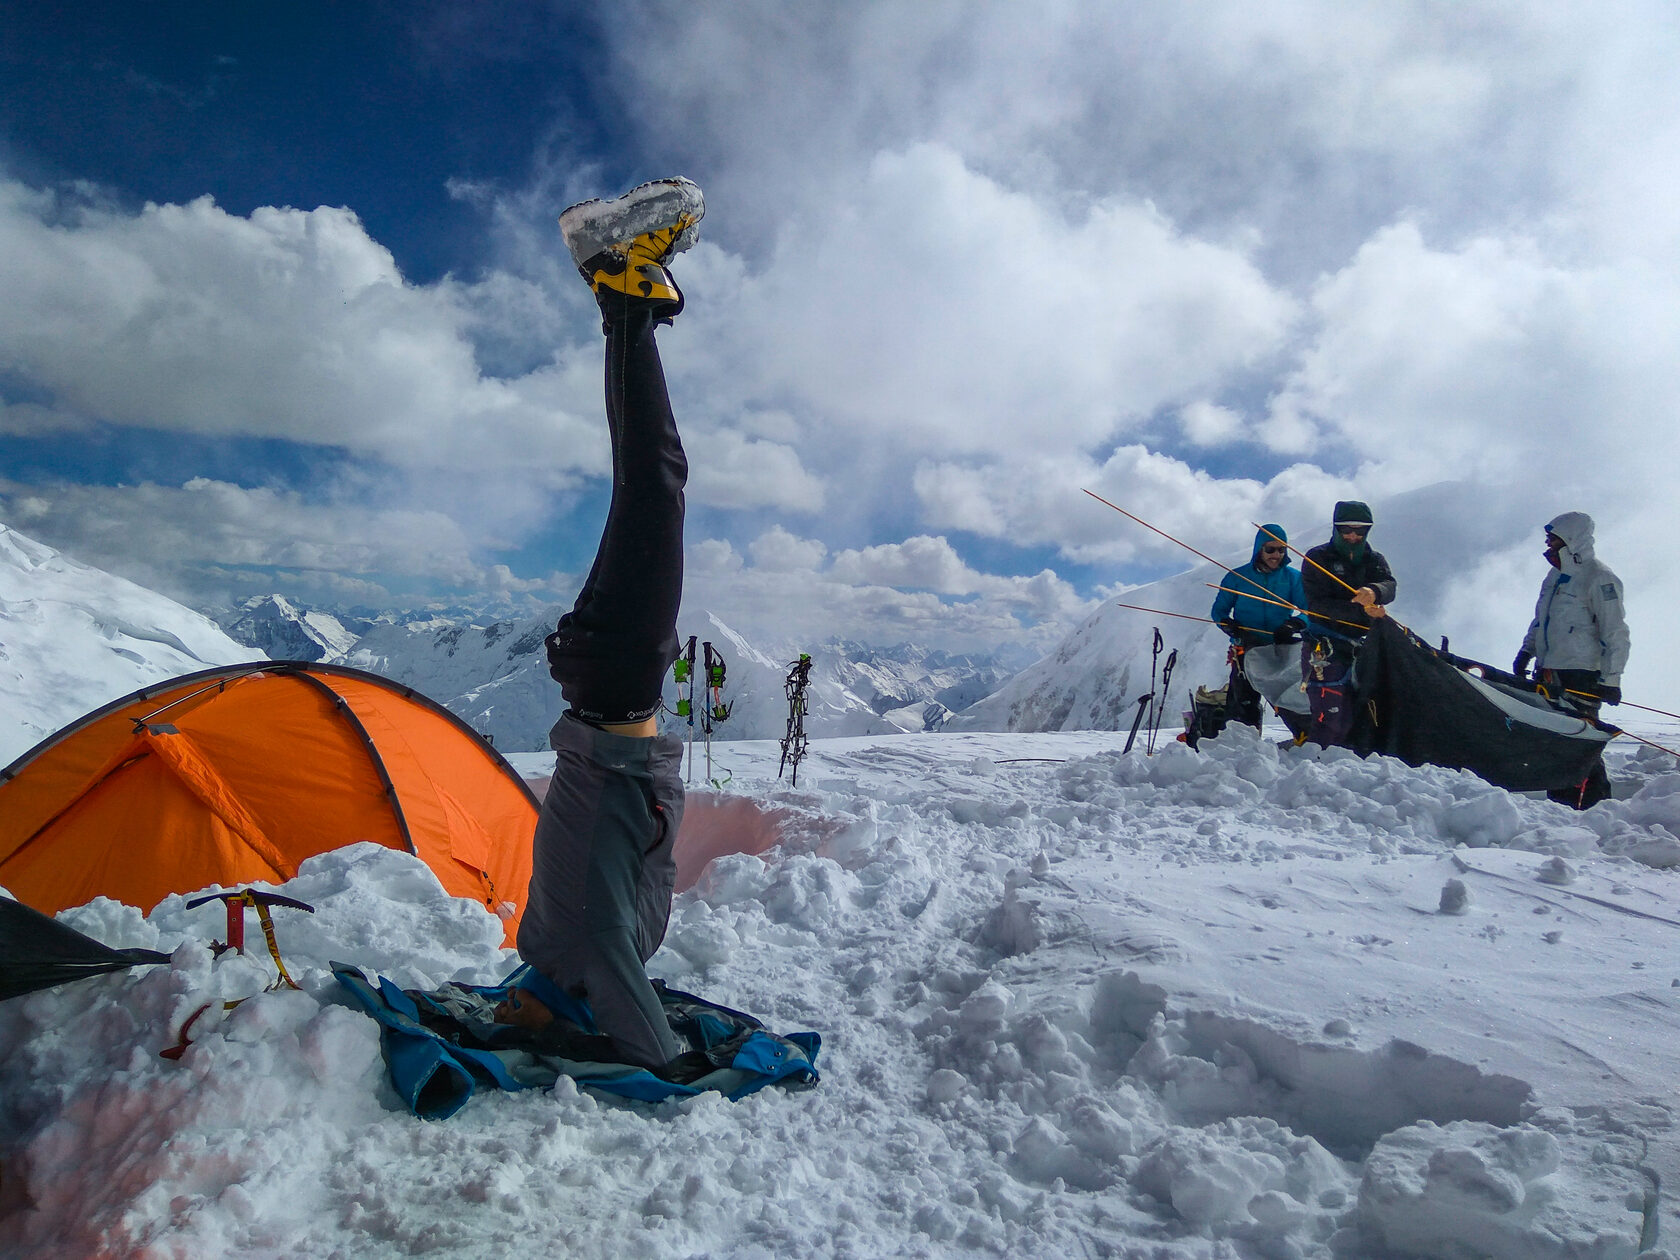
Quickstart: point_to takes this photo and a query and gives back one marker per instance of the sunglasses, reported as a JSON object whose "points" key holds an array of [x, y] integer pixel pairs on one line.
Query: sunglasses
{"points": [[1360, 530], [1269, 550]]}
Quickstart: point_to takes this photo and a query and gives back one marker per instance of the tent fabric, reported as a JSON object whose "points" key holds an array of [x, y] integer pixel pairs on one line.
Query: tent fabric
{"points": [[236, 775], [440, 1046], [37, 952], [1416, 706]]}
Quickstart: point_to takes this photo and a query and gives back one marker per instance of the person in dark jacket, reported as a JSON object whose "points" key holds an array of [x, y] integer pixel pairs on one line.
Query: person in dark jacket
{"points": [[1259, 607], [602, 868], [1348, 585]]}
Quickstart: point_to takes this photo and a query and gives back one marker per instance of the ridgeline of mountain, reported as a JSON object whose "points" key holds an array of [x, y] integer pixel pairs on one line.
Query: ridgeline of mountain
{"points": [[1093, 680], [286, 631], [494, 674], [73, 638]]}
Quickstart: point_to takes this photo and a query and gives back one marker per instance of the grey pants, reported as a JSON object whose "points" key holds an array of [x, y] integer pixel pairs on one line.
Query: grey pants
{"points": [[602, 871]]}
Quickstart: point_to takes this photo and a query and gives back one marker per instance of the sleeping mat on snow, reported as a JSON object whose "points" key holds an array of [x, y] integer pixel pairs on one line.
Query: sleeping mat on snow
{"points": [[440, 1046]]}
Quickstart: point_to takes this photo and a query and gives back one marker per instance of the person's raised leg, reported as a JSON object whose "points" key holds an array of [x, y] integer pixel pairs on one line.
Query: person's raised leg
{"points": [[610, 653], [602, 864]]}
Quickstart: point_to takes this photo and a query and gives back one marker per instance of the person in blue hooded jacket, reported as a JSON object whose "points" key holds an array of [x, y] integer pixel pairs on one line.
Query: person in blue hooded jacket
{"points": [[1258, 607]]}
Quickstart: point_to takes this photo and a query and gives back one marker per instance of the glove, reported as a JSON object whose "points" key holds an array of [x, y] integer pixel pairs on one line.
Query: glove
{"points": [[1289, 631], [1519, 667], [1609, 694], [1230, 628]]}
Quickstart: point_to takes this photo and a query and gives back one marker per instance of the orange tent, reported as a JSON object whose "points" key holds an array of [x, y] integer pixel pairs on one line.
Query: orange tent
{"points": [[236, 774]]}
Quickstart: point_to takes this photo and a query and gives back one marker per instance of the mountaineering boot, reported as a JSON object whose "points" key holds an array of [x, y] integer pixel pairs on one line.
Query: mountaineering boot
{"points": [[621, 246]]}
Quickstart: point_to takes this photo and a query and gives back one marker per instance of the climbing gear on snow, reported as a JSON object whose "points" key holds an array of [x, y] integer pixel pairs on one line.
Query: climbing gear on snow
{"points": [[794, 741], [236, 901], [713, 710]]}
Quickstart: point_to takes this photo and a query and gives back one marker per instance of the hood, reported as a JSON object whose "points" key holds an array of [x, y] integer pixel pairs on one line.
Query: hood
{"points": [[1266, 534], [1576, 530]]}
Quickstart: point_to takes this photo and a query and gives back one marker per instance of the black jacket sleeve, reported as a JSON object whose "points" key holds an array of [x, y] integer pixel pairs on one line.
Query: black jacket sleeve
{"points": [[1379, 577], [1331, 601]]}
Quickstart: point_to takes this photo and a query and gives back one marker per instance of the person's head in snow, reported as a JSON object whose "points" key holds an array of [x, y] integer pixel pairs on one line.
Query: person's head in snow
{"points": [[602, 865], [1578, 640]]}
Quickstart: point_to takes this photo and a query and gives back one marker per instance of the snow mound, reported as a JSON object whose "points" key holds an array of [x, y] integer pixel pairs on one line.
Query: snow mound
{"points": [[1074, 1003]]}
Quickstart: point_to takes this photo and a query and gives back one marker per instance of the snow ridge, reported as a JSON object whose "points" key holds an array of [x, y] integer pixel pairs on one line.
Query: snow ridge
{"points": [[73, 638]]}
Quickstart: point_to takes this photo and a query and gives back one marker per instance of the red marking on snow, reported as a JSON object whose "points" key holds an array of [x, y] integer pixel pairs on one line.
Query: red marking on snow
{"points": [[714, 826]]}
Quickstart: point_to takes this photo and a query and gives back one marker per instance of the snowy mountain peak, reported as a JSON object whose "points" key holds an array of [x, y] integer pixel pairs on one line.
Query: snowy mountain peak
{"points": [[73, 638], [288, 631]]}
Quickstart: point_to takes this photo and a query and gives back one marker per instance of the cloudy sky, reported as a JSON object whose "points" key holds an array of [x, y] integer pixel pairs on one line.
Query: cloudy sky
{"points": [[285, 306]]}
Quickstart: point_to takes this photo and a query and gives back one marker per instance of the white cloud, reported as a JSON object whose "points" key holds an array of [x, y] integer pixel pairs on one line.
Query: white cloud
{"points": [[939, 309], [284, 324], [731, 470], [917, 590], [214, 525], [1208, 424], [778, 551], [1043, 501]]}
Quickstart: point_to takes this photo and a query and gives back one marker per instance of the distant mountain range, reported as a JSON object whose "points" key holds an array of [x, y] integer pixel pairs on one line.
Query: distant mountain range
{"points": [[494, 673], [72, 638]]}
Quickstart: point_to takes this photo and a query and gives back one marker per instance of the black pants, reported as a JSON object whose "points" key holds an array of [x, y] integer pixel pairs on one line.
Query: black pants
{"points": [[603, 864], [1242, 701], [1560, 683], [610, 653]]}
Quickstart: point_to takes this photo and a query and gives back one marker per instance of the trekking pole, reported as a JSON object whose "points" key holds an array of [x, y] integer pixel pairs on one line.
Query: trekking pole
{"points": [[1282, 603], [715, 710], [1137, 720], [1147, 701], [1227, 568], [1160, 709]]}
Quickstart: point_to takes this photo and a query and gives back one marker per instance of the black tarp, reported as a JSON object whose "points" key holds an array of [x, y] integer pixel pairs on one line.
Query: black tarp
{"points": [[1420, 708], [37, 952]]}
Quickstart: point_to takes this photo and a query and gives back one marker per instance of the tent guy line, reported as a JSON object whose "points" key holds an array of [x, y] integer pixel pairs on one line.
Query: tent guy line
{"points": [[1337, 577], [1129, 516]]}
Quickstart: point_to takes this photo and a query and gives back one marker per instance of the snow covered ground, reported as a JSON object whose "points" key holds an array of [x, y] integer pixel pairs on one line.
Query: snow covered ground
{"points": [[1252, 1003]]}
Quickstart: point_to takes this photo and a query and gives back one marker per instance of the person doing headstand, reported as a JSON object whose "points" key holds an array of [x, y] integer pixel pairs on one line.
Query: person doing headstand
{"points": [[602, 869]]}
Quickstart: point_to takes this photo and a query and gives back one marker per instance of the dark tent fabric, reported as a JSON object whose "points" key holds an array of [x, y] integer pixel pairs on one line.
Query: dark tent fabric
{"points": [[37, 952], [1420, 708]]}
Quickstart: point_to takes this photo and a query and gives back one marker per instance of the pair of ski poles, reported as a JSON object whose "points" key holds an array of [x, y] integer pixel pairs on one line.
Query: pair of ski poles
{"points": [[1156, 707]]}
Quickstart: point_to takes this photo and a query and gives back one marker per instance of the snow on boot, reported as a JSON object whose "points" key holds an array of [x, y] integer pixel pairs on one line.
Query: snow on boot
{"points": [[621, 246]]}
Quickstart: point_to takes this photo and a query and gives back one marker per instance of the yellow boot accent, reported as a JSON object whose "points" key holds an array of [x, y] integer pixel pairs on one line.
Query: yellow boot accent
{"points": [[637, 268]]}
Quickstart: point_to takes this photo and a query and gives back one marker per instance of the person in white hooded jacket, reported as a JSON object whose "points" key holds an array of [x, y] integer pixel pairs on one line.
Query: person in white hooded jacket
{"points": [[1578, 640]]}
